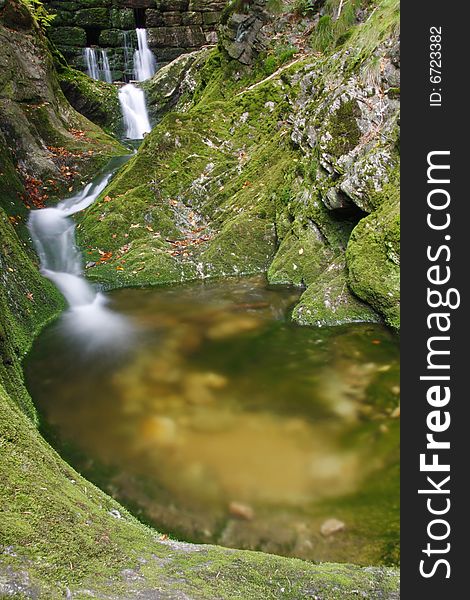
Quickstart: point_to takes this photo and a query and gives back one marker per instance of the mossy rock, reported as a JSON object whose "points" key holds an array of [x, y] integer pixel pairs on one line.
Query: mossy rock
{"points": [[68, 36], [96, 100], [373, 258], [92, 17], [122, 18], [301, 257], [327, 301], [343, 128]]}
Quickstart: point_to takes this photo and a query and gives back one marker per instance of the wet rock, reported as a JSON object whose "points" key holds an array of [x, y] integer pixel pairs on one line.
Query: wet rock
{"points": [[159, 430], [241, 35], [232, 327], [241, 511], [331, 526]]}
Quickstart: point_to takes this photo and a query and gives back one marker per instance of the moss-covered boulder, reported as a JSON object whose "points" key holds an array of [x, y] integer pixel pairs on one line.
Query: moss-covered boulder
{"points": [[174, 83], [373, 258], [328, 301], [96, 100]]}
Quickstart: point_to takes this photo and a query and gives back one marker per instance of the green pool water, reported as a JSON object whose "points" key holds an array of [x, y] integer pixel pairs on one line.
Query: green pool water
{"points": [[221, 422]]}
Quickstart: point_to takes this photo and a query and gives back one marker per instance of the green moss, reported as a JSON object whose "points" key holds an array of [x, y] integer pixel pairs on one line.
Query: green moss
{"points": [[301, 257], [373, 257], [96, 100], [343, 128], [27, 301], [328, 301]]}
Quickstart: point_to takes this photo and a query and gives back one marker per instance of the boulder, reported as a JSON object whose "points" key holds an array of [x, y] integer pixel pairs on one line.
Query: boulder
{"points": [[92, 17], [184, 36], [68, 36]]}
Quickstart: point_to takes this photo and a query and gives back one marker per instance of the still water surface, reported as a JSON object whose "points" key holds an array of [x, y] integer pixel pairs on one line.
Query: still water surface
{"points": [[222, 422]]}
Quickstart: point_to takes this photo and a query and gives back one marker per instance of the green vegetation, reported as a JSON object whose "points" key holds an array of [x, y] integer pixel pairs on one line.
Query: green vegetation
{"points": [[42, 16]]}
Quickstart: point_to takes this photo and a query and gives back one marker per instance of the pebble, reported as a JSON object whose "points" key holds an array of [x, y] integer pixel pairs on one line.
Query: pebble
{"points": [[331, 526], [241, 511]]}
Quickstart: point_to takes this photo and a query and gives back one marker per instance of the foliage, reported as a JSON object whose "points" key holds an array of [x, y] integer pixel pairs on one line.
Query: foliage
{"points": [[281, 56], [305, 8], [334, 27], [40, 13]]}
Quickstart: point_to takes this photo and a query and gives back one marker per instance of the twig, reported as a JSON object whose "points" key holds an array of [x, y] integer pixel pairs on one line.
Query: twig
{"points": [[340, 8]]}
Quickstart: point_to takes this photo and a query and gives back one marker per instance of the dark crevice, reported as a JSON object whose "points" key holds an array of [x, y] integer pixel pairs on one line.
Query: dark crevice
{"points": [[140, 18], [92, 36]]}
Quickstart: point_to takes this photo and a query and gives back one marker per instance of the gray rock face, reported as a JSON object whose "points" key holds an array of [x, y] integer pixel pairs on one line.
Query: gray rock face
{"points": [[353, 132], [242, 35]]}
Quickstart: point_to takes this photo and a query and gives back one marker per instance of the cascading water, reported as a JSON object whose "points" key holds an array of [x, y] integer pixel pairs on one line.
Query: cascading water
{"points": [[145, 64], [105, 68], [53, 234], [134, 111], [132, 98], [97, 69], [91, 61]]}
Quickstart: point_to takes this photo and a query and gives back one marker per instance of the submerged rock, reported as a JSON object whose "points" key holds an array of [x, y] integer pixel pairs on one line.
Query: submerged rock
{"points": [[332, 526]]}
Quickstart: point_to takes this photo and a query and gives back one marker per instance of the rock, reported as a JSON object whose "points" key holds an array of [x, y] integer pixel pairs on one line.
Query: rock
{"points": [[122, 18], [373, 258], [328, 301], [111, 37], [231, 327], [158, 430], [331, 526], [241, 511], [92, 17], [68, 36], [241, 34], [17, 16], [183, 36], [191, 18], [172, 81]]}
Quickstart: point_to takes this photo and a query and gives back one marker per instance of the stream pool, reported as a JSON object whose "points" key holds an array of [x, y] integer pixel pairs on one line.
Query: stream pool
{"points": [[220, 421]]}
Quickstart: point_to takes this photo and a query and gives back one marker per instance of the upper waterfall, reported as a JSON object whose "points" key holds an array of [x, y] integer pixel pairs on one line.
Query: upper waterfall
{"points": [[145, 64]]}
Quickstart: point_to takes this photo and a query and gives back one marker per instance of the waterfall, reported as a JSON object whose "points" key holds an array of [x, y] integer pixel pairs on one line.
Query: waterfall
{"points": [[53, 234], [91, 63], [105, 68], [145, 64], [134, 111], [99, 70]]}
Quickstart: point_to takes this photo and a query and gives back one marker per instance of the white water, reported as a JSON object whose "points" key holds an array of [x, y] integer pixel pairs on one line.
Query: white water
{"points": [[91, 63], [97, 69], [134, 111], [145, 64], [105, 68], [53, 233]]}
